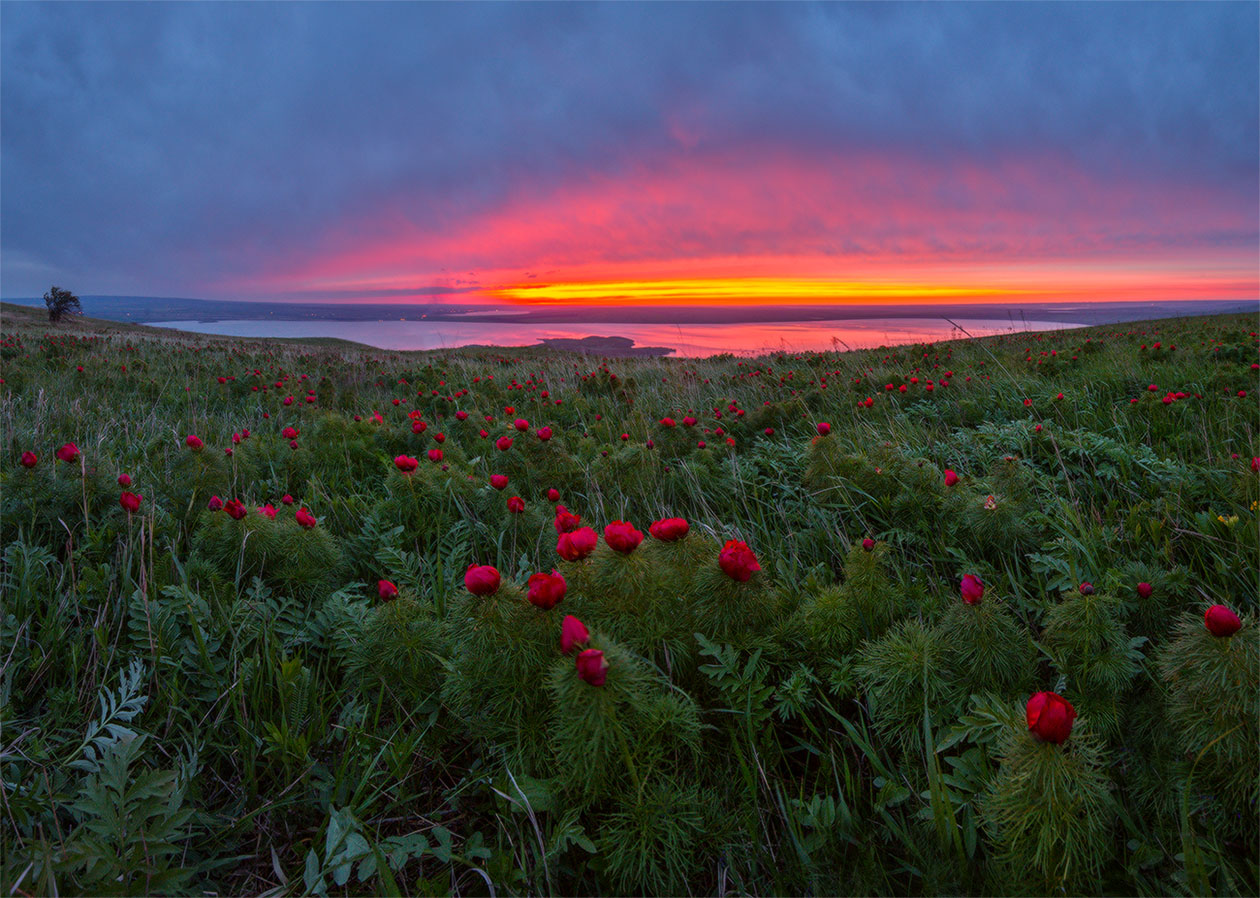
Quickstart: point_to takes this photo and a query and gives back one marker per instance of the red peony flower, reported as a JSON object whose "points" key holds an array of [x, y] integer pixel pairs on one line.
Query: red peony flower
{"points": [[305, 518], [546, 590], [235, 509], [406, 463], [29, 460], [972, 589], [868, 544], [481, 580], [738, 561], [622, 537], [544, 433], [521, 424], [667, 530], [461, 415], [286, 499], [386, 590], [577, 544], [499, 481], [215, 503], [566, 521], [572, 634], [435, 455], [124, 480], [516, 504], [193, 442], [553, 495], [289, 433], [823, 428], [592, 666], [1144, 590], [503, 444], [689, 421], [68, 453], [1050, 717], [1221, 622], [1255, 464], [950, 477], [267, 511], [129, 501], [1086, 588]]}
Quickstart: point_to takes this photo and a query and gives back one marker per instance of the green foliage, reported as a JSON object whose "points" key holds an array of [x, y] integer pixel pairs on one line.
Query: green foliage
{"points": [[1214, 714], [1049, 812], [194, 704]]}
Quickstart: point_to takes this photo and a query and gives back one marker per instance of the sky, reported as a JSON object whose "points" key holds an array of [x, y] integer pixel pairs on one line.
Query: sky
{"points": [[631, 153]]}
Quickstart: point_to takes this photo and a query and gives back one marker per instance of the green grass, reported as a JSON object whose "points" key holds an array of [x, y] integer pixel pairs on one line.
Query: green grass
{"points": [[194, 704]]}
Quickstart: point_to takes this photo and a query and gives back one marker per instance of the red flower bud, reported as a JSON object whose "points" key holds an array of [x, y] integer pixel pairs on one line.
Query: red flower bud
{"points": [[1221, 622], [868, 544], [215, 503], [129, 501], [950, 477], [68, 453], [386, 590], [124, 480], [668, 530], [29, 460], [972, 589], [1087, 588], [592, 667], [481, 580], [1144, 590], [553, 495], [738, 561], [1050, 717], [286, 499], [622, 537], [572, 634], [546, 590]]}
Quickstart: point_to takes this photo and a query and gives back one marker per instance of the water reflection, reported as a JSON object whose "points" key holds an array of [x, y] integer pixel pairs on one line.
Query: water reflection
{"points": [[687, 340]]}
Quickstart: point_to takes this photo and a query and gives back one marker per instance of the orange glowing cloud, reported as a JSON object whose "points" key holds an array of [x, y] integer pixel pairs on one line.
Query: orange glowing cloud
{"points": [[769, 226]]}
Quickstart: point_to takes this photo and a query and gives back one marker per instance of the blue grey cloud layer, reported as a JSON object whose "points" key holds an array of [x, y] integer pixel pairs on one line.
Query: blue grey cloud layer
{"points": [[151, 148]]}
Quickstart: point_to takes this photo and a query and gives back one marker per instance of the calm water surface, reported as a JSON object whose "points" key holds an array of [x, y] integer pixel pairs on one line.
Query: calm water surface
{"points": [[689, 340]]}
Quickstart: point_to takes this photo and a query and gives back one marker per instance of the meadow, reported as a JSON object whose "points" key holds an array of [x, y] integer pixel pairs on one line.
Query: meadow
{"points": [[973, 617]]}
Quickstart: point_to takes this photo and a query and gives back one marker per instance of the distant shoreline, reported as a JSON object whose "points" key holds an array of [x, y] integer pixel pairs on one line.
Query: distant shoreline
{"points": [[146, 309]]}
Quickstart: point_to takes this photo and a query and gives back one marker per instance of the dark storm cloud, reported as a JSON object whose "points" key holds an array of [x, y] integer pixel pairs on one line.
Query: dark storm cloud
{"points": [[168, 148]]}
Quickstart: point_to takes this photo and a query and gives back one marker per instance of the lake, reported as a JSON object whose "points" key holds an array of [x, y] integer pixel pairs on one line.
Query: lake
{"points": [[687, 340]]}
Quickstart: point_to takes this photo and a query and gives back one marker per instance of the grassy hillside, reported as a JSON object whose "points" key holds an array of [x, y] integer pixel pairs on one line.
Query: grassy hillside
{"points": [[822, 687]]}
